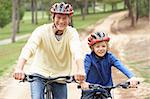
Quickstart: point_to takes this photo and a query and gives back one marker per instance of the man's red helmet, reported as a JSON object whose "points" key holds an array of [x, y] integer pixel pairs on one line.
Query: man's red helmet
{"points": [[62, 8]]}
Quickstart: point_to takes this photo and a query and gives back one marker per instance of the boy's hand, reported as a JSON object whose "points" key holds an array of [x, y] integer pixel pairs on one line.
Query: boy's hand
{"points": [[84, 85], [133, 82]]}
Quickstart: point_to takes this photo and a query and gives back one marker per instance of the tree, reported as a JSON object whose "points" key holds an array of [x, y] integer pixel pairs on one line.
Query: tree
{"points": [[14, 19], [137, 8], [149, 10], [113, 3], [94, 4], [5, 12], [32, 9], [131, 14]]}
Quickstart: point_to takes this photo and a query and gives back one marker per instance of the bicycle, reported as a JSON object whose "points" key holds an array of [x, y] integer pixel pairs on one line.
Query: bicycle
{"points": [[103, 92], [48, 81]]}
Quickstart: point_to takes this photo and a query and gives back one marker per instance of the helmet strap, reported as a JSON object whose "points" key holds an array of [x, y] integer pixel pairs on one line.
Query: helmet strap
{"points": [[56, 31]]}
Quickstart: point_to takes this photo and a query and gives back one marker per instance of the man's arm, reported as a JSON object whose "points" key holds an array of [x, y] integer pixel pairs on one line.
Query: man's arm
{"points": [[80, 75], [18, 73]]}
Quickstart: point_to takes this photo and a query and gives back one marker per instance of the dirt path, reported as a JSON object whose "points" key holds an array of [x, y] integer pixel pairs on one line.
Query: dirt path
{"points": [[15, 90], [8, 41], [136, 51]]}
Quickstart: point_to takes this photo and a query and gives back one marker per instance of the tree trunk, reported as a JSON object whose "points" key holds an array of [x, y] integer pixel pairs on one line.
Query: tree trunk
{"points": [[131, 15], [104, 7], [81, 4], [42, 9], [124, 5], [32, 9], [35, 6], [94, 6], [85, 7], [137, 9], [149, 9], [82, 10], [18, 17], [14, 17]]}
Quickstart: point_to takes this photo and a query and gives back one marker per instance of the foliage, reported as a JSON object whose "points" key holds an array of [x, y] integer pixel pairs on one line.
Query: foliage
{"points": [[5, 12], [143, 7], [112, 1], [21, 10]]}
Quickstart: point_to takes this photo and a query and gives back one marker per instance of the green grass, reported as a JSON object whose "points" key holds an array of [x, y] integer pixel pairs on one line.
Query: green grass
{"points": [[141, 69], [89, 20], [8, 55]]}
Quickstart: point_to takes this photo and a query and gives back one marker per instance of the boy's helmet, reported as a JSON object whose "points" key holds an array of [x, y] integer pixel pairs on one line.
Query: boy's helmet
{"points": [[97, 37], [62, 8]]}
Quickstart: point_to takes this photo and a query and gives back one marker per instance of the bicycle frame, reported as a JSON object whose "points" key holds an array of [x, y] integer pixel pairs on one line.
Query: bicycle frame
{"points": [[48, 81]]}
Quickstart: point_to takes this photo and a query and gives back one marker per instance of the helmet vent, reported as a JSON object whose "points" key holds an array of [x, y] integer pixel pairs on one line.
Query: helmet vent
{"points": [[93, 36]]}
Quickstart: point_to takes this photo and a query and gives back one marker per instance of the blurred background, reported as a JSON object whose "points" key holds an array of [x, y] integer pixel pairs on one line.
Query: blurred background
{"points": [[126, 21]]}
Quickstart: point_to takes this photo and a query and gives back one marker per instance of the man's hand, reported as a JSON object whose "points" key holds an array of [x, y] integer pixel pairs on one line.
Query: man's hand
{"points": [[18, 74], [79, 77]]}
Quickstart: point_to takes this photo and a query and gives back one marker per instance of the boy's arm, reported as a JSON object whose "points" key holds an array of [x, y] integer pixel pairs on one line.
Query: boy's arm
{"points": [[132, 79], [119, 65]]}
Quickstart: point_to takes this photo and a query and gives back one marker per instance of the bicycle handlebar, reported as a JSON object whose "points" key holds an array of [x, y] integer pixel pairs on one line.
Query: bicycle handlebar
{"points": [[124, 85], [67, 79]]}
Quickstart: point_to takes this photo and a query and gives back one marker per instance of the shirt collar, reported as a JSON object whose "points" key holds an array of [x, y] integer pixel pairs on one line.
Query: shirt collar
{"points": [[97, 58]]}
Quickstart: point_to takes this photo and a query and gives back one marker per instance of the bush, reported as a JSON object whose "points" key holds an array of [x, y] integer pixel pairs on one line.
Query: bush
{"points": [[5, 12]]}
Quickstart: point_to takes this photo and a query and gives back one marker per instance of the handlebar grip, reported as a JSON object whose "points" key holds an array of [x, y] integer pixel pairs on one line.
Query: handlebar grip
{"points": [[126, 85], [28, 78], [79, 87], [90, 86], [137, 83], [25, 78], [70, 79]]}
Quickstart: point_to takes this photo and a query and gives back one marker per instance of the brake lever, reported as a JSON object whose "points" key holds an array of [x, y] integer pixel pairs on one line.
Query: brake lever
{"points": [[70, 79], [28, 78]]}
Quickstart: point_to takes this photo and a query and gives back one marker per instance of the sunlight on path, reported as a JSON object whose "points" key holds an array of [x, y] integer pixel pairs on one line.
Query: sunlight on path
{"points": [[15, 90]]}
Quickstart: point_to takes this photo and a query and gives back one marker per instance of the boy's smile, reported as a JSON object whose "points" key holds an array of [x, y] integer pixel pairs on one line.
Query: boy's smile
{"points": [[100, 48]]}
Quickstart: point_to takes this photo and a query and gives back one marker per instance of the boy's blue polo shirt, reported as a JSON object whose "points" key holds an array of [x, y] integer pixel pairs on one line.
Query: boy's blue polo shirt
{"points": [[98, 70]]}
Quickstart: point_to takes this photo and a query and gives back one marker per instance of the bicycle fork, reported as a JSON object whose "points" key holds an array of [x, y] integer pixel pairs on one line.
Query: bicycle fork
{"points": [[47, 92]]}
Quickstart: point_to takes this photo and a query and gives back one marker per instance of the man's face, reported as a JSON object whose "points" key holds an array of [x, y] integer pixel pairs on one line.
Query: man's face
{"points": [[61, 21]]}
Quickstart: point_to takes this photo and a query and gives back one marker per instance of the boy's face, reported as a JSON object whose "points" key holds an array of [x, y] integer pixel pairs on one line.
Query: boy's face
{"points": [[100, 48], [61, 21]]}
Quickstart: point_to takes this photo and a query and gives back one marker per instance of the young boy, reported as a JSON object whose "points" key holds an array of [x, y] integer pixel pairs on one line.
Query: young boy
{"points": [[53, 46], [98, 64]]}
